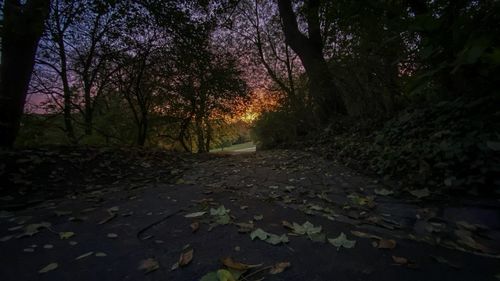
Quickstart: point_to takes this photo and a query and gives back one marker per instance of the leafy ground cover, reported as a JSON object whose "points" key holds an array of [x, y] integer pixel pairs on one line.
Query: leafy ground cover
{"points": [[450, 146], [277, 215]]}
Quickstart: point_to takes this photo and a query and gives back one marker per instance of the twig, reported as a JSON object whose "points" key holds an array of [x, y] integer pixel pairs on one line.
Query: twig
{"points": [[144, 229]]}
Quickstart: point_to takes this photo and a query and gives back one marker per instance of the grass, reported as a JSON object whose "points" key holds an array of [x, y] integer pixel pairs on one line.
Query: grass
{"points": [[235, 147]]}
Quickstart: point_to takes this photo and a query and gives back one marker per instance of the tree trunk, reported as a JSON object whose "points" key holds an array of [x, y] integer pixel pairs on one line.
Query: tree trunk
{"points": [[88, 109], [310, 51], [68, 122], [208, 135], [200, 135], [142, 133], [23, 26]]}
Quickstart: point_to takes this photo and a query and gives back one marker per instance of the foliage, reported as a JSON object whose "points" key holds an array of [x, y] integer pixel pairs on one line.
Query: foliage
{"points": [[451, 145], [275, 128]]}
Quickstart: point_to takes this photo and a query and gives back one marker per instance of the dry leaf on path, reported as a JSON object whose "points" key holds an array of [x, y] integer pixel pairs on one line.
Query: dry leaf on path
{"points": [[342, 241], [49, 267], [383, 192], [148, 265], [186, 257], [195, 226], [279, 267], [195, 215], [66, 235], [108, 218], [84, 255], [400, 260], [365, 235], [386, 244], [32, 229], [420, 193], [230, 263]]}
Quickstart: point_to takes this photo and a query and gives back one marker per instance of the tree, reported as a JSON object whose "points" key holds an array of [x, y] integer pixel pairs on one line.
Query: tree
{"points": [[206, 86], [54, 57], [23, 26], [324, 91]]}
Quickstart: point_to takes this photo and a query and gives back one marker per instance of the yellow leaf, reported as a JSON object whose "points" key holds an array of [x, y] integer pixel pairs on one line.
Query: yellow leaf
{"points": [[225, 275], [66, 235]]}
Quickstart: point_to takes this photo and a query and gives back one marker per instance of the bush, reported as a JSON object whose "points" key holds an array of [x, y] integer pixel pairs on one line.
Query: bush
{"points": [[451, 144], [274, 128]]}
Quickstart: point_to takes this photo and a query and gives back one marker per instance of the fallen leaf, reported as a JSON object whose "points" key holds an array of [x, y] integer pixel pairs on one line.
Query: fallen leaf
{"points": [[420, 193], [287, 225], [225, 275], [230, 263], [84, 255], [317, 237], [148, 265], [6, 238], [400, 260], [469, 226], [316, 208], [258, 217], [49, 267], [386, 244], [195, 226], [445, 261], [268, 237], [100, 254], [220, 211], [14, 228], [244, 227], [211, 276], [383, 192], [186, 257], [365, 235], [342, 241], [32, 229], [66, 235], [274, 239], [195, 215], [279, 267], [465, 238], [5, 214], [108, 218], [62, 213], [258, 233]]}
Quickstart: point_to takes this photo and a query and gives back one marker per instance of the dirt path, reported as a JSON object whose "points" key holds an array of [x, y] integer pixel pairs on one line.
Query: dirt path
{"points": [[106, 234]]}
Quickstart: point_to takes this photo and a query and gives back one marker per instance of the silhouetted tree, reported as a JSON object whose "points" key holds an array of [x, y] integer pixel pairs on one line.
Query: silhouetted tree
{"points": [[23, 25]]}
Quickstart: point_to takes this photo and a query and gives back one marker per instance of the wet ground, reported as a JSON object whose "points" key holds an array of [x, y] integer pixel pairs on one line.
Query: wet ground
{"points": [[212, 208]]}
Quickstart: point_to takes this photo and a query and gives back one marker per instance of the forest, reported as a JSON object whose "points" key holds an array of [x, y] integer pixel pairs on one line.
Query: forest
{"points": [[379, 118]]}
